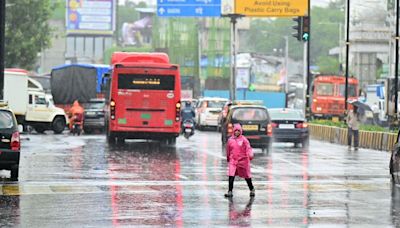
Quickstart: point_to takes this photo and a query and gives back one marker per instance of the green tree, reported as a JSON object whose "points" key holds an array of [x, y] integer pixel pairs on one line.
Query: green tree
{"points": [[328, 64], [26, 31], [59, 10], [325, 26], [265, 35]]}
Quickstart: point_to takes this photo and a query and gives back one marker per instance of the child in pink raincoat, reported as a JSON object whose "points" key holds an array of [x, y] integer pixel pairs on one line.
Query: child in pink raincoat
{"points": [[238, 154]]}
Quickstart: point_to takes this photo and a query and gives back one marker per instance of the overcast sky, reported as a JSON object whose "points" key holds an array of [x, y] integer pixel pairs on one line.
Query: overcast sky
{"points": [[154, 2]]}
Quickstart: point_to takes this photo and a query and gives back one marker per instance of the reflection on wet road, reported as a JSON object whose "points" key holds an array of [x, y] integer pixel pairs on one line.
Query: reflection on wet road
{"points": [[81, 181]]}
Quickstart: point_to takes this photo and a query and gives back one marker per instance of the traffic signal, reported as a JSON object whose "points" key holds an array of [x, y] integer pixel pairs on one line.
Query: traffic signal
{"points": [[306, 28], [298, 28]]}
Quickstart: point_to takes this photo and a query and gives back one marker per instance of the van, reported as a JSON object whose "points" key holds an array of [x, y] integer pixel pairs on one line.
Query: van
{"points": [[208, 110]]}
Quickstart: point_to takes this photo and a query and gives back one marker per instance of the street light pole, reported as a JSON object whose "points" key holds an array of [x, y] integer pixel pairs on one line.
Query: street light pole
{"points": [[307, 110], [340, 47], [2, 46], [234, 18], [286, 68], [396, 77], [346, 93]]}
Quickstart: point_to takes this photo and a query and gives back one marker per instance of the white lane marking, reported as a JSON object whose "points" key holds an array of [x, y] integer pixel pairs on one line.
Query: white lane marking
{"points": [[384, 179], [182, 176]]}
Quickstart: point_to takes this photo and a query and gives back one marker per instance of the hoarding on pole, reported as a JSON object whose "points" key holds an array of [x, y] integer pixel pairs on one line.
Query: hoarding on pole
{"points": [[271, 8], [242, 78], [90, 17]]}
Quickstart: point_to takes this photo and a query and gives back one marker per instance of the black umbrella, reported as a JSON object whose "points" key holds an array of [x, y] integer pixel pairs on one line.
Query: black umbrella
{"points": [[362, 107]]}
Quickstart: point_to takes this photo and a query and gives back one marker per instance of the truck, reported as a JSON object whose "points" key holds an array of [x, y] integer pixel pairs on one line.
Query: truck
{"points": [[80, 82], [328, 95], [30, 104]]}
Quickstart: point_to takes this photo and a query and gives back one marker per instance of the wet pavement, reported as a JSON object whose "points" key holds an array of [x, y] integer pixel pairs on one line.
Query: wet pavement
{"points": [[81, 181]]}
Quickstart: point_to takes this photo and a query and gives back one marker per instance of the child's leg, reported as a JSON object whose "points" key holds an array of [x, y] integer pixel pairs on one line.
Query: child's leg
{"points": [[249, 183], [231, 180]]}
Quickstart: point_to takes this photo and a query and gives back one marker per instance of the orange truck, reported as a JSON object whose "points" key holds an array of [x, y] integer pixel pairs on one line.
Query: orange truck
{"points": [[328, 95]]}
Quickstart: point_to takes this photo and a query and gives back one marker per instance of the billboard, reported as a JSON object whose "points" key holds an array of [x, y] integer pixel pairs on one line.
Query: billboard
{"points": [[95, 17]]}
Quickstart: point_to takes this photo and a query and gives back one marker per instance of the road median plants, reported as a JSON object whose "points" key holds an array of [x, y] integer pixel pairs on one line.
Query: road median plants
{"points": [[363, 127]]}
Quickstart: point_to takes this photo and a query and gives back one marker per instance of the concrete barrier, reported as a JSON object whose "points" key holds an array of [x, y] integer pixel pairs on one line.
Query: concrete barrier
{"points": [[368, 139]]}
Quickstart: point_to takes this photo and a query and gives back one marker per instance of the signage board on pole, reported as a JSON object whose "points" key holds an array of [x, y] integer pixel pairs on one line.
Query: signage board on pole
{"points": [[90, 17], [271, 8], [189, 8], [242, 78]]}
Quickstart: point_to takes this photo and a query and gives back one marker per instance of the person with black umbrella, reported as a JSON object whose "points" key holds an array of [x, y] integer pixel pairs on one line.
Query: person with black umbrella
{"points": [[353, 119]]}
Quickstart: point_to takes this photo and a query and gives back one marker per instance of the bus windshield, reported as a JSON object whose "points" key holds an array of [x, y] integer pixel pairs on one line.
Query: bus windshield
{"points": [[351, 88], [146, 82], [325, 89]]}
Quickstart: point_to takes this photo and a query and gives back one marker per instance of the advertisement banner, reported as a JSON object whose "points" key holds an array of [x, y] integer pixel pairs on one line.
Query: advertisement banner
{"points": [[90, 17], [242, 78]]}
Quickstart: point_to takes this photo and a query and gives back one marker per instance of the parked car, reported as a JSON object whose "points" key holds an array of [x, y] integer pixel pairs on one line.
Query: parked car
{"points": [[394, 165], [289, 125], [207, 111], [10, 144], [94, 115], [255, 122]]}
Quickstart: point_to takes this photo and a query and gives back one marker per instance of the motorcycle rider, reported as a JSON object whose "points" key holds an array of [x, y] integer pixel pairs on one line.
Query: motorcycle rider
{"points": [[188, 113], [75, 114]]}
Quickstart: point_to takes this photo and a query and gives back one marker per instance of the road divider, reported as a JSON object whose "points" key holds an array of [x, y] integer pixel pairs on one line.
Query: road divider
{"points": [[368, 139]]}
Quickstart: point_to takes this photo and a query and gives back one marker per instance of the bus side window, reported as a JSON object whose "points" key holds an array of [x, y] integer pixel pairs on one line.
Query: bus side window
{"points": [[30, 99]]}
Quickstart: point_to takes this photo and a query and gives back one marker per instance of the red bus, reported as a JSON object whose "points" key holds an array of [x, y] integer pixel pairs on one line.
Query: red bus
{"points": [[144, 100], [328, 93]]}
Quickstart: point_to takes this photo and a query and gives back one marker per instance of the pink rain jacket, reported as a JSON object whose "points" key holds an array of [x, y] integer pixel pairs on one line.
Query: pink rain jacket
{"points": [[238, 154]]}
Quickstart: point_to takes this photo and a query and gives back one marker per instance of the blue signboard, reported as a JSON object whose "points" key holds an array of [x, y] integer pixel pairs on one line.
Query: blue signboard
{"points": [[189, 2], [189, 8]]}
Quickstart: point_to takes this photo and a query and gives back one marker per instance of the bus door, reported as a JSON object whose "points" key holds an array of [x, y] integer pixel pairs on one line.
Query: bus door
{"points": [[149, 98]]}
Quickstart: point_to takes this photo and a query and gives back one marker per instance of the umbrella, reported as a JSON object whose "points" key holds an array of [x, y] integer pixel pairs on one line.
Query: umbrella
{"points": [[362, 107]]}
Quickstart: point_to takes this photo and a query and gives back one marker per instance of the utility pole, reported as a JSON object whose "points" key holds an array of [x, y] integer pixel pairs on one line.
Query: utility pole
{"points": [[346, 92], [199, 40], [305, 81], [234, 18], [308, 41], [286, 69], [340, 48], [2, 46], [396, 76]]}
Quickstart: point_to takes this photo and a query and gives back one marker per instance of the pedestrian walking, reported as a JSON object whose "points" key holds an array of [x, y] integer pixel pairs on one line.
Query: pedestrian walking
{"points": [[238, 155], [353, 119]]}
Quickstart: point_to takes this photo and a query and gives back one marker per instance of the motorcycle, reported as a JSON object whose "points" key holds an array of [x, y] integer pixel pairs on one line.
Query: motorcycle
{"points": [[77, 124], [188, 128]]}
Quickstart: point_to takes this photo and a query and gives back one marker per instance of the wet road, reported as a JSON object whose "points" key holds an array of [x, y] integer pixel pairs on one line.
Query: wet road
{"points": [[81, 181]]}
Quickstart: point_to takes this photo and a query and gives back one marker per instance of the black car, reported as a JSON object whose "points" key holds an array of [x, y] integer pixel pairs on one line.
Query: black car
{"points": [[255, 122], [289, 125], [10, 144], [94, 115]]}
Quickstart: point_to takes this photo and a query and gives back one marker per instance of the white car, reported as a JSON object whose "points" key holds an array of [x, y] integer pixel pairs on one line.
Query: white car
{"points": [[207, 111]]}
